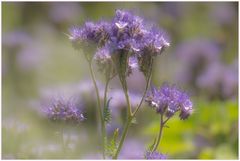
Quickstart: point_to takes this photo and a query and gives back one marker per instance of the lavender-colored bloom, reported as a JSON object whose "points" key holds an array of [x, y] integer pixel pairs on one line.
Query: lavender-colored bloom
{"points": [[30, 56], [230, 81], [136, 152], [126, 30], [118, 99], [168, 100], [90, 33], [64, 12], [196, 55], [223, 13], [103, 58], [154, 42], [126, 39], [15, 39], [219, 81], [155, 155], [193, 50], [132, 64], [64, 110]]}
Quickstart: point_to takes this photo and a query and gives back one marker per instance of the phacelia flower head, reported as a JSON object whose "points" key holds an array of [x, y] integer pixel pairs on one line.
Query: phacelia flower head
{"points": [[64, 110], [103, 58], [95, 33], [168, 100], [155, 155], [154, 42], [125, 37]]}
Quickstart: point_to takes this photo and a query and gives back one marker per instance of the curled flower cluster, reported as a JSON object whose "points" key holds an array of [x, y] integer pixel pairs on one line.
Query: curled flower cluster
{"points": [[126, 34], [66, 111], [155, 155], [168, 100]]}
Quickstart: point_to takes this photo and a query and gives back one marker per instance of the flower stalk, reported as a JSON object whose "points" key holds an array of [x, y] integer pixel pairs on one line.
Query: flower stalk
{"points": [[103, 128]]}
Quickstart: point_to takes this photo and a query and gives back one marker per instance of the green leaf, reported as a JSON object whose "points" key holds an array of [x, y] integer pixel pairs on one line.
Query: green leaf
{"points": [[111, 147], [107, 113]]}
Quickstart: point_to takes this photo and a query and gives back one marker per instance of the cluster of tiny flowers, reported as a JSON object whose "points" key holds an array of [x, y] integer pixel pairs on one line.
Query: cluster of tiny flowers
{"points": [[66, 111], [168, 100], [155, 155], [126, 33]]}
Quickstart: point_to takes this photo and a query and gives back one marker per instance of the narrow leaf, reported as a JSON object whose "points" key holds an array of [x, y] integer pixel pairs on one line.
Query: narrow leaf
{"points": [[107, 113]]}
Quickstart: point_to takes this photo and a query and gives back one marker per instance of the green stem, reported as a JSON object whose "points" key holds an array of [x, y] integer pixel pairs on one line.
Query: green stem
{"points": [[98, 105], [125, 130], [128, 102], [159, 134], [128, 122], [131, 115], [144, 94], [104, 106], [149, 78]]}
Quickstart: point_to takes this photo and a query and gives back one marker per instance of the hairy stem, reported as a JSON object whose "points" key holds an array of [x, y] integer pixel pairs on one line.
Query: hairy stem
{"points": [[128, 122], [144, 94], [98, 105], [159, 134], [128, 102], [104, 126], [131, 115], [125, 130]]}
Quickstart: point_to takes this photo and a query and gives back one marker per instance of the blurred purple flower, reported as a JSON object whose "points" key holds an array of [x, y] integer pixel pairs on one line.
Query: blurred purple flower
{"points": [[118, 99], [196, 55], [30, 56], [23, 50], [64, 110], [223, 13], [103, 58], [132, 149], [15, 39], [155, 155], [168, 100], [219, 80], [64, 12]]}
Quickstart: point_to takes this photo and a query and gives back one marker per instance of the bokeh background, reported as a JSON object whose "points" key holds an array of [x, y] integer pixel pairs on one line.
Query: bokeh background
{"points": [[39, 62]]}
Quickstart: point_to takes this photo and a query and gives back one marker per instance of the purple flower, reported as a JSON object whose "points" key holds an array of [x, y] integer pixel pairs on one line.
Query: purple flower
{"points": [[64, 110], [103, 58], [168, 100], [64, 12], [126, 31], [196, 55], [136, 152], [132, 64], [118, 99], [155, 155], [127, 36], [95, 33], [154, 42], [219, 81], [15, 39], [223, 13]]}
